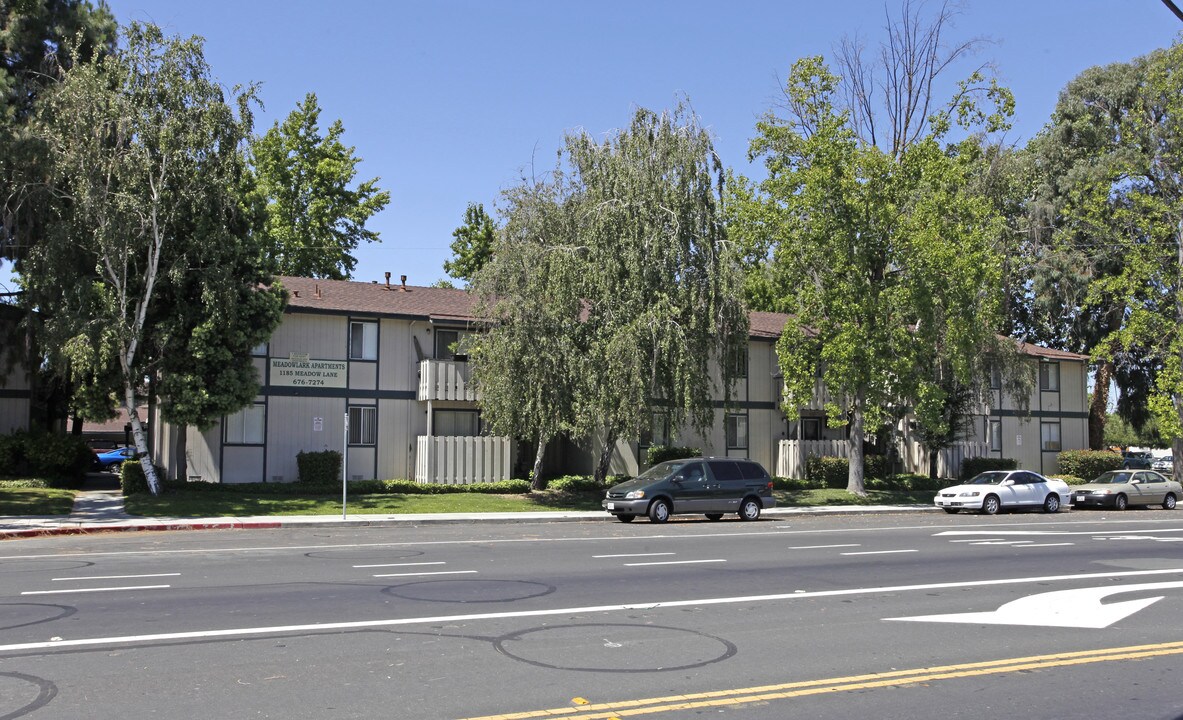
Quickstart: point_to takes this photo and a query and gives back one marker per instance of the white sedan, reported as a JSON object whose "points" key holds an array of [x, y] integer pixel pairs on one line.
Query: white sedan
{"points": [[997, 490]]}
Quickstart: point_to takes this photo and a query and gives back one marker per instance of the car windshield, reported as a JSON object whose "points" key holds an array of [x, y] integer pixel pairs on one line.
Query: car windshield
{"points": [[662, 470], [988, 478], [1112, 478]]}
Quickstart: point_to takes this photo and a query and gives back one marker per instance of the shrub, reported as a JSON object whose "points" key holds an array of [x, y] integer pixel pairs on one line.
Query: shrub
{"points": [[23, 483], [829, 472], [661, 453], [795, 484], [61, 459], [1070, 479], [575, 484], [318, 467], [1088, 463], [132, 479], [975, 465]]}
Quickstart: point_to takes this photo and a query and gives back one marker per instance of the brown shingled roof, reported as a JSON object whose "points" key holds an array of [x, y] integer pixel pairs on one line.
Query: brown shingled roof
{"points": [[456, 305], [311, 294]]}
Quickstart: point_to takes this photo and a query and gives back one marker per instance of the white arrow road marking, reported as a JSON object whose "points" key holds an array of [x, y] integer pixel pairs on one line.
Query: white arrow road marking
{"points": [[1079, 608]]}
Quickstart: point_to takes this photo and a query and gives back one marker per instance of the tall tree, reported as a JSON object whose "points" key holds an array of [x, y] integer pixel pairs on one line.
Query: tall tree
{"points": [[472, 244], [315, 219], [146, 156], [529, 362], [645, 286], [884, 258], [662, 281]]}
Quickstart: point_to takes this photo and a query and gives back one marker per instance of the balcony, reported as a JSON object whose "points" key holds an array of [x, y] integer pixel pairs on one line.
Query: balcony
{"points": [[457, 460], [445, 380]]}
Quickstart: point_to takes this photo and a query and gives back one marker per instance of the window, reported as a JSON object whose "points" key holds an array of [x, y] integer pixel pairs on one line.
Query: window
{"points": [[259, 350], [1049, 433], [245, 427], [1049, 376], [995, 378], [995, 435], [363, 341], [363, 425], [737, 432], [447, 345], [739, 362], [456, 423], [811, 428]]}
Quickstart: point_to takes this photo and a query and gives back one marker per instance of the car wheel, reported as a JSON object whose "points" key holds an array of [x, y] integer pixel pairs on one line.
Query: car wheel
{"points": [[991, 506], [1168, 502], [1121, 502], [626, 518], [714, 516], [749, 509], [951, 511], [659, 511], [1051, 503]]}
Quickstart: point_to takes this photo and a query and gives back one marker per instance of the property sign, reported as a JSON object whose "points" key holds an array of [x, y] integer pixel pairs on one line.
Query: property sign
{"points": [[308, 373]]}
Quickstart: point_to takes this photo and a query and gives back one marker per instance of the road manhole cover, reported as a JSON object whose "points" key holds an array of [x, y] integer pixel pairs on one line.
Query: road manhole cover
{"points": [[615, 648]]}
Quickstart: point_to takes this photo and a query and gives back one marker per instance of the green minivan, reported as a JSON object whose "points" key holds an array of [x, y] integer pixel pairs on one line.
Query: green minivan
{"points": [[709, 486]]}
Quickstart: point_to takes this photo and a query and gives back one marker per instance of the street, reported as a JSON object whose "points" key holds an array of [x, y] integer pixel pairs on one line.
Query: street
{"points": [[887, 616]]}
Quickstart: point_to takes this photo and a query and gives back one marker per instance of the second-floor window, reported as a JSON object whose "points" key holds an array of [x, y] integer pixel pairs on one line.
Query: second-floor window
{"points": [[1049, 377], [363, 341]]}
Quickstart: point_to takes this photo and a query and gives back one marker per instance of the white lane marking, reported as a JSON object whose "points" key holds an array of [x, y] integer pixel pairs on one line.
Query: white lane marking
{"points": [[113, 577], [1002, 542], [975, 540], [1045, 545], [770, 532], [1078, 608], [438, 562], [321, 627], [1138, 537], [442, 572], [822, 547], [673, 562], [633, 555], [90, 590], [879, 552], [1053, 532]]}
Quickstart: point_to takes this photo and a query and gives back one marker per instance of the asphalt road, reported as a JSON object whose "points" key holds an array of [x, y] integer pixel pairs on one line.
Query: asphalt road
{"points": [[890, 616]]}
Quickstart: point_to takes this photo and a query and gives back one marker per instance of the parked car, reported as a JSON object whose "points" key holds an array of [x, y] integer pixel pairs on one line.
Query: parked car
{"points": [[711, 486], [997, 490], [112, 459], [1164, 464], [1119, 489], [1136, 459]]}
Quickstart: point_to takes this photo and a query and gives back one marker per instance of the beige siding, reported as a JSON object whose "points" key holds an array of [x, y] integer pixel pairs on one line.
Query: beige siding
{"points": [[291, 430], [321, 337], [203, 452], [399, 423]]}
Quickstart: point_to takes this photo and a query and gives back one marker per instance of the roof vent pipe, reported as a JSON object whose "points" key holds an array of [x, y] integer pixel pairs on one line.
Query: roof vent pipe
{"points": [[404, 280], [387, 279]]}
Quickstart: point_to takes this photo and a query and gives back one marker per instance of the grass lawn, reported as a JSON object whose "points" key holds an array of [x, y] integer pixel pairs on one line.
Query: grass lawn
{"points": [[35, 501], [233, 504]]}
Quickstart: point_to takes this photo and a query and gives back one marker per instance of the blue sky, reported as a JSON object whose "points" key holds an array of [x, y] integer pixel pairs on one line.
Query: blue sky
{"points": [[449, 102]]}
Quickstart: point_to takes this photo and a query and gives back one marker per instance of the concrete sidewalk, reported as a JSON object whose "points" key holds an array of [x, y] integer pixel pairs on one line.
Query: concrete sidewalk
{"points": [[101, 510]]}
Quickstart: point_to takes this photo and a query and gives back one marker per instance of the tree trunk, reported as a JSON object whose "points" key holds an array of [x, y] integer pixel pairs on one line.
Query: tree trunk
{"points": [[181, 451], [139, 437], [1099, 408], [854, 483], [606, 456], [536, 474], [76, 426]]}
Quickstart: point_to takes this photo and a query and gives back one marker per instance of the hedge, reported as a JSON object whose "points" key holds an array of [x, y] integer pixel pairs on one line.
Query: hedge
{"points": [[1088, 463], [134, 481], [577, 484], [662, 453], [318, 467], [61, 459], [834, 472], [977, 465]]}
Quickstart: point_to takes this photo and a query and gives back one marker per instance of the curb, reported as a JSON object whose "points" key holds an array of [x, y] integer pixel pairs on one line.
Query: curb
{"points": [[356, 521]]}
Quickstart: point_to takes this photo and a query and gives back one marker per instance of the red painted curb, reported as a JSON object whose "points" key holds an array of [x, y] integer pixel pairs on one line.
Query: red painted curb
{"points": [[93, 529]]}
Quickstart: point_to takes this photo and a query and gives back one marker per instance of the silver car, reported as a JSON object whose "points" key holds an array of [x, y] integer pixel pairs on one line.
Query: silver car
{"points": [[1119, 489]]}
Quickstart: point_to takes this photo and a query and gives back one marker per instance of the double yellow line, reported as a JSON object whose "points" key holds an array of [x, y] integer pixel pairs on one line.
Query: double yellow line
{"points": [[785, 691]]}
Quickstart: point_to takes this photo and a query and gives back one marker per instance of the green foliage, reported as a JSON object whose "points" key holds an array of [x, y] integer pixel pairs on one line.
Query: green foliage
{"points": [[314, 220], [25, 483], [472, 244], [1088, 463], [797, 484], [976, 465], [132, 479], [318, 467], [576, 484], [1119, 432], [1070, 479], [833, 472], [326, 487], [661, 453], [888, 262], [62, 460]]}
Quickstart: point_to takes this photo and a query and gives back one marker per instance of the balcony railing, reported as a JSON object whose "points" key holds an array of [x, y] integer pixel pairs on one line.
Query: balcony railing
{"points": [[446, 380], [463, 460]]}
